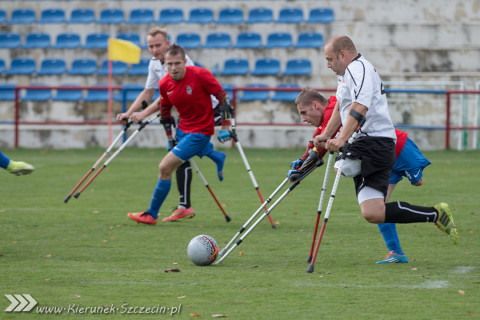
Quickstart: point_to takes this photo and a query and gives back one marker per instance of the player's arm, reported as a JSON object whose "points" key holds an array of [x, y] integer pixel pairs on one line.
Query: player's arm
{"points": [[226, 112], [145, 95]]}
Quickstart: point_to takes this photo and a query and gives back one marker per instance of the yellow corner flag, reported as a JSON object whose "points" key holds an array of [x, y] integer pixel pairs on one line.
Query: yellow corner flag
{"points": [[125, 51]]}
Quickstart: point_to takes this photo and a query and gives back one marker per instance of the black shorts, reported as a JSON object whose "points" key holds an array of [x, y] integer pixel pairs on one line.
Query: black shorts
{"points": [[378, 158]]}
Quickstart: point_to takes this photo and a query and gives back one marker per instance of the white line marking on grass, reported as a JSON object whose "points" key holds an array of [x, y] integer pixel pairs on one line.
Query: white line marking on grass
{"points": [[463, 269], [426, 285]]}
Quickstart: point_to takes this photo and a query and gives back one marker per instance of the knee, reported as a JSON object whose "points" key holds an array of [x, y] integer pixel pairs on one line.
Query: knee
{"points": [[164, 171], [374, 215], [371, 217], [419, 183]]}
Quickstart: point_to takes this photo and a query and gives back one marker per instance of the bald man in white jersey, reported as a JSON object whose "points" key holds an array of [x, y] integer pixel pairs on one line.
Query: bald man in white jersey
{"points": [[371, 156]]}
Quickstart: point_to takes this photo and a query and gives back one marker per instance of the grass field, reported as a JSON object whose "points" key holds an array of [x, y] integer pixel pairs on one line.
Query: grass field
{"points": [[88, 254]]}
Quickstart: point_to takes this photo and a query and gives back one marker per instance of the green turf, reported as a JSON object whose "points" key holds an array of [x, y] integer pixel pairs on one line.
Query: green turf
{"points": [[87, 253]]}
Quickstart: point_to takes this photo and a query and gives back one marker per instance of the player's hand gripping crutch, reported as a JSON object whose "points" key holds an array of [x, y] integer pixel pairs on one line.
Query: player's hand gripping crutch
{"points": [[134, 134], [302, 176], [228, 109], [344, 150]]}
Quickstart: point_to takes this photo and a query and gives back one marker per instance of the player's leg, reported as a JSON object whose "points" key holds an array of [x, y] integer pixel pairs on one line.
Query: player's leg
{"points": [[184, 181], [217, 156]]}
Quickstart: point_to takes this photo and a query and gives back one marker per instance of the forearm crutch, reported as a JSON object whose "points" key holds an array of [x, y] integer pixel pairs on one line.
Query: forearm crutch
{"points": [[344, 150], [134, 134], [267, 212], [210, 190]]}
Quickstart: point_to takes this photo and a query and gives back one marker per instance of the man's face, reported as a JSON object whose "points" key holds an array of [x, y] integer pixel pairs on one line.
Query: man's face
{"points": [[157, 45], [311, 114], [176, 66], [334, 61]]}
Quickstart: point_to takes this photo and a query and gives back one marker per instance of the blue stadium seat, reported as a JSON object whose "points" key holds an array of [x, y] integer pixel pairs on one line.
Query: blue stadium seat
{"points": [[140, 69], [189, 40], [83, 67], [97, 95], [230, 16], [200, 15], [171, 15], [10, 40], [53, 15], [130, 36], [234, 67], [287, 96], [22, 66], [140, 16], [68, 94], [249, 40], [228, 89], [321, 15], [298, 67], [119, 68], [266, 67], [130, 92], [52, 67], [82, 15], [290, 15], [260, 15], [3, 16], [218, 40], [7, 91], [255, 95], [279, 40], [3, 68], [67, 40], [23, 16], [37, 95], [111, 16], [309, 40], [96, 40], [37, 40]]}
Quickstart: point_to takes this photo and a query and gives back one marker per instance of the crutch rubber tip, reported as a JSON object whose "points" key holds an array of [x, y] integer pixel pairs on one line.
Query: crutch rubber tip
{"points": [[309, 259], [67, 198], [228, 218], [76, 195], [274, 226], [310, 269]]}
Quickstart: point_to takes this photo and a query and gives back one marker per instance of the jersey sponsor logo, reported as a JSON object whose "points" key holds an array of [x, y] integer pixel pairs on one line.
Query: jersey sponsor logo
{"points": [[189, 90]]}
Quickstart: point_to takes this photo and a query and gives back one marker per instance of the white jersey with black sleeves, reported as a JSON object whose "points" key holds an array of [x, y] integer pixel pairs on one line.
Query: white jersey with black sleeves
{"points": [[362, 84]]}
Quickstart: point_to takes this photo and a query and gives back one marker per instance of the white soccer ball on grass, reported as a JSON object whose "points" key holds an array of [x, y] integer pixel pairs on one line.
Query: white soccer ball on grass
{"points": [[202, 250]]}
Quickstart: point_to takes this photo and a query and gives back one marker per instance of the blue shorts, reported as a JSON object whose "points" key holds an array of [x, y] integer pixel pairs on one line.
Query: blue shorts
{"points": [[192, 144], [410, 163]]}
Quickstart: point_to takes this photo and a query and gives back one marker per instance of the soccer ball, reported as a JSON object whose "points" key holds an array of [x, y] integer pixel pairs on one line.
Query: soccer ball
{"points": [[202, 250]]}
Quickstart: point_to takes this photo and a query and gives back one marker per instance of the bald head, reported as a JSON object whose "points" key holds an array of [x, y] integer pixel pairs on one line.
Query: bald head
{"points": [[340, 43], [339, 52]]}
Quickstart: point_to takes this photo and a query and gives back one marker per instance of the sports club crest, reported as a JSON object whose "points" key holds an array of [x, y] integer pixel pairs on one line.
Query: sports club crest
{"points": [[189, 90]]}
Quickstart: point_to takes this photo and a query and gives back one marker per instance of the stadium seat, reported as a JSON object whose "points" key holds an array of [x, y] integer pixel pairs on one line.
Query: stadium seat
{"points": [[309, 40], [171, 15], [321, 15], [189, 40], [67, 41], [97, 95], [37, 40], [130, 92], [200, 15], [23, 16], [68, 94], [298, 67], [82, 15], [37, 95], [140, 69], [111, 16], [3, 68], [7, 91], [140, 16], [22, 66], [52, 67], [10, 40], [287, 96], [83, 67], [260, 15], [218, 40], [130, 36], [279, 40], [249, 40], [230, 16], [234, 67], [266, 67], [53, 15], [3, 16], [290, 15], [255, 95], [119, 68], [96, 40]]}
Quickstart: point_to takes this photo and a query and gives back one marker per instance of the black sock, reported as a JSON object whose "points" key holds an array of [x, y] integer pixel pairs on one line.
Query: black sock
{"points": [[184, 179], [403, 212]]}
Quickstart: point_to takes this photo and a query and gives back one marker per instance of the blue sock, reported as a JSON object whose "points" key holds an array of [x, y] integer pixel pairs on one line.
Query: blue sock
{"points": [[4, 160], [159, 195], [219, 158], [389, 233]]}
